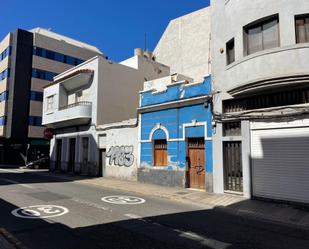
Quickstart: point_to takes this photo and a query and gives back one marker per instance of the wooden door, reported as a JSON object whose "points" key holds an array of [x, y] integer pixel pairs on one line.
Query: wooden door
{"points": [[196, 163]]}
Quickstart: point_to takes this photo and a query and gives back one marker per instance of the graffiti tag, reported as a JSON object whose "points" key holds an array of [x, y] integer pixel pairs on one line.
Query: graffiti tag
{"points": [[121, 155]]}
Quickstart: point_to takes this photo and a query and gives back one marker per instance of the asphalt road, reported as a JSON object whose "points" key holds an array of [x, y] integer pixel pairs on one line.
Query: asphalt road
{"points": [[79, 218]]}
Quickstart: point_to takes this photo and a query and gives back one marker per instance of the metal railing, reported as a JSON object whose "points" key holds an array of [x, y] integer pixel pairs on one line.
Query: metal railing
{"points": [[81, 103]]}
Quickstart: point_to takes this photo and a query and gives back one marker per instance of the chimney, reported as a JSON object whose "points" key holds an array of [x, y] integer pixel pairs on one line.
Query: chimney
{"points": [[138, 52], [148, 54]]}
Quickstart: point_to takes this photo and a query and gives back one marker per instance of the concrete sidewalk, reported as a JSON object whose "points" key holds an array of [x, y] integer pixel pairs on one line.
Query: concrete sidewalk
{"points": [[283, 214]]}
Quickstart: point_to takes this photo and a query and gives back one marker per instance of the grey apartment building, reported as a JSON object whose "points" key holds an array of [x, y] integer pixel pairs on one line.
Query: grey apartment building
{"points": [[28, 61], [260, 80]]}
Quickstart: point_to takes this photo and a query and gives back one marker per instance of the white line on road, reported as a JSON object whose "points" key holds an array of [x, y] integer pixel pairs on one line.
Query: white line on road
{"points": [[133, 216], [209, 242], [15, 182], [18, 171], [91, 204]]}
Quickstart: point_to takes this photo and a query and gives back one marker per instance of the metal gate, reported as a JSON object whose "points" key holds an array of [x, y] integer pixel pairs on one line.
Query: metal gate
{"points": [[279, 156], [58, 154], [233, 177], [71, 166]]}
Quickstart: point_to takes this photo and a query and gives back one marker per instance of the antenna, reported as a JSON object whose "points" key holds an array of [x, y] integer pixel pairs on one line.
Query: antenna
{"points": [[145, 42]]}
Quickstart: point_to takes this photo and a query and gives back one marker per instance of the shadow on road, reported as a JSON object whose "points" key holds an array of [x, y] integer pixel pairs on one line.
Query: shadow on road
{"points": [[7, 178], [209, 229]]}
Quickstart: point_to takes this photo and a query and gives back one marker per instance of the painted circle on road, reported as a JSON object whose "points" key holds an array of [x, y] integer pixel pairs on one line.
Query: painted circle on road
{"points": [[39, 211], [123, 200]]}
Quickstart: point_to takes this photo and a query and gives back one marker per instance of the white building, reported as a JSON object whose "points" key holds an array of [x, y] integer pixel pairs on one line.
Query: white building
{"points": [[185, 45], [87, 105], [260, 52]]}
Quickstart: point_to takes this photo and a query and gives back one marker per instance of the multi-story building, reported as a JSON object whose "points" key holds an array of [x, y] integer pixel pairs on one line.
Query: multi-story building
{"points": [[260, 52], [28, 61], [90, 109], [175, 132], [185, 45]]}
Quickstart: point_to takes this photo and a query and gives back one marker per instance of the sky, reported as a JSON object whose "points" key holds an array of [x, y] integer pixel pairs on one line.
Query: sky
{"points": [[116, 27]]}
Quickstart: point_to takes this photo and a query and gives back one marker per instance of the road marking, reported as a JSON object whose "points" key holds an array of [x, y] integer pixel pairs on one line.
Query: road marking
{"points": [[123, 200], [39, 211], [18, 171], [16, 182], [209, 242], [133, 216], [91, 204]]}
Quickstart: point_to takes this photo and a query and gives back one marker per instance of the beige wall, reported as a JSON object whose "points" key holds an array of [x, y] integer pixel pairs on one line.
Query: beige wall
{"points": [[38, 84], [113, 91], [118, 92], [2, 108], [35, 108], [4, 85], [185, 45], [49, 65], [56, 45], [2, 130], [62, 47], [5, 42], [35, 131], [4, 64]]}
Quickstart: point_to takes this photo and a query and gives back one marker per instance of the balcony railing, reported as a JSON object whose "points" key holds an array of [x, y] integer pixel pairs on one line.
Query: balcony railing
{"points": [[81, 103], [70, 115]]}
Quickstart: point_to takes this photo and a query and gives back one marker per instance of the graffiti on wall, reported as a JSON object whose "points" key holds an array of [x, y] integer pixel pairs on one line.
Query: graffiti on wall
{"points": [[121, 155]]}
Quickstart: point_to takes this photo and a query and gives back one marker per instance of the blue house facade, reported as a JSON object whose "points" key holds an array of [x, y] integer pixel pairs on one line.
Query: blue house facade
{"points": [[175, 134]]}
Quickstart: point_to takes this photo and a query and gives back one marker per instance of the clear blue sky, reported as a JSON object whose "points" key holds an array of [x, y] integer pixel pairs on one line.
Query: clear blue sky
{"points": [[114, 26]]}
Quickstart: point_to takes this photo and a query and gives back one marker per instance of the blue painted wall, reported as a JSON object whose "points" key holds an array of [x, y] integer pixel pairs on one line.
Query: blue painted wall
{"points": [[172, 120], [176, 92]]}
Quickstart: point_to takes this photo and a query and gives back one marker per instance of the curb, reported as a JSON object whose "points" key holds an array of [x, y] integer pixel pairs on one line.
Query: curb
{"points": [[164, 196], [224, 209], [252, 216], [11, 239]]}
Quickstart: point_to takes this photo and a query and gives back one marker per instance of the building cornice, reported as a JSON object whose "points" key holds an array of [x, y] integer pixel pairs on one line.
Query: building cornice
{"points": [[175, 104]]}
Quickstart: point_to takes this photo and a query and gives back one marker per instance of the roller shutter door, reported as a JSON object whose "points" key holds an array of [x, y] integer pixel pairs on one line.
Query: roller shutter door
{"points": [[280, 163]]}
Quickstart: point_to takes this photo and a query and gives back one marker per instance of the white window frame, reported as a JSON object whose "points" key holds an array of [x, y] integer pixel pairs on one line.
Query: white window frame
{"points": [[50, 105]]}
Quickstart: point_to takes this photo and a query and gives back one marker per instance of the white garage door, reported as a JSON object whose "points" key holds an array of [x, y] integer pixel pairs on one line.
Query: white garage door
{"points": [[280, 163]]}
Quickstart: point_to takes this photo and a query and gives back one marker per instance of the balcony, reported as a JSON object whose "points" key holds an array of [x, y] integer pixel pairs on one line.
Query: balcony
{"points": [[70, 115]]}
